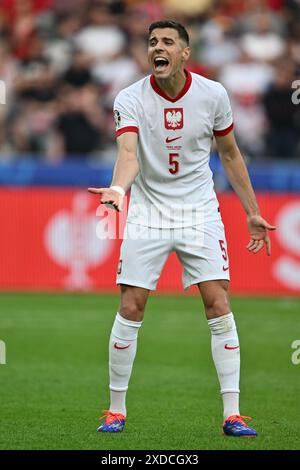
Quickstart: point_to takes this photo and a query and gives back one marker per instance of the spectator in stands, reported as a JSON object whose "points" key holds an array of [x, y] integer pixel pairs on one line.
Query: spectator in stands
{"points": [[8, 69], [101, 37], [218, 44], [36, 78], [263, 44], [283, 136], [30, 124], [80, 126], [257, 11], [60, 46], [52, 47], [4, 24], [293, 44], [189, 8], [246, 80], [33, 110], [79, 72], [23, 20]]}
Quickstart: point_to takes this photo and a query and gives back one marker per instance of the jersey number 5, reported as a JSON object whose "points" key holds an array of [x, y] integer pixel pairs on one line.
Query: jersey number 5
{"points": [[174, 164], [223, 249]]}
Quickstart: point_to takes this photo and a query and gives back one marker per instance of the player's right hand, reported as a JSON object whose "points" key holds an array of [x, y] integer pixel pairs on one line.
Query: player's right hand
{"points": [[109, 197]]}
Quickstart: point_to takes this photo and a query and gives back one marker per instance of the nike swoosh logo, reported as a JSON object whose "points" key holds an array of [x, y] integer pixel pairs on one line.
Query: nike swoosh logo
{"points": [[171, 140], [229, 347], [121, 347], [225, 269]]}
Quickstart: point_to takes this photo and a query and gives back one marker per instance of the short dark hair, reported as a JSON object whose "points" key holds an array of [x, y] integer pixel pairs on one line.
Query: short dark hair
{"points": [[182, 32]]}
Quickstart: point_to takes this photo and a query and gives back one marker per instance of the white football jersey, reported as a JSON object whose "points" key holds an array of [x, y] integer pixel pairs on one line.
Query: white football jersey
{"points": [[174, 187]]}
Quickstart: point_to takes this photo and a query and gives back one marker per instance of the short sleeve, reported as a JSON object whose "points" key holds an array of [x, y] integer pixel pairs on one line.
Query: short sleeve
{"points": [[124, 114], [223, 122]]}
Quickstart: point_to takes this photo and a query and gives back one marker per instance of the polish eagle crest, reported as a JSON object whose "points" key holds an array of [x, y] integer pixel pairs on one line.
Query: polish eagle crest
{"points": [[174, 118]]}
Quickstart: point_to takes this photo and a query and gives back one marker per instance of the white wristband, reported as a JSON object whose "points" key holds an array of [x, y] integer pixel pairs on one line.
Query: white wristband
{"points": [[118, 189]]}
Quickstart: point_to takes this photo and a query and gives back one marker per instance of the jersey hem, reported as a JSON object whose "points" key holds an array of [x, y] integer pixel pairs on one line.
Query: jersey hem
{"points": [[175, 227], [134, 283], [212, 277]]}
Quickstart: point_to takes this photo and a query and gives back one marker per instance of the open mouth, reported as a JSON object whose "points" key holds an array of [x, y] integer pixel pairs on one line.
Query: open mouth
{"points": [[160, 64]]}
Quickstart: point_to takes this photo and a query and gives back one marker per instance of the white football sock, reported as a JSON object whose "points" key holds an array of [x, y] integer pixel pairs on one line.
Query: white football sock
{"points": [[226, 356], [230, 404], [122, 351]]}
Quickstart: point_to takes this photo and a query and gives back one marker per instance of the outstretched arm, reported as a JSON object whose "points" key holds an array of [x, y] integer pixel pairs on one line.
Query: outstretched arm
{"points": [[238, 177], [125, 171]]}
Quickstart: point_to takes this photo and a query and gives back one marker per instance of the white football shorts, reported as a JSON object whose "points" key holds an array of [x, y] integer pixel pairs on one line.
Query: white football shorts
{"points": [[201, 250]]}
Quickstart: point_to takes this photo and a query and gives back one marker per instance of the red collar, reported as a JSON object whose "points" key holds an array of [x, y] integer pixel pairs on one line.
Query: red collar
{"points": [[160, 92]]}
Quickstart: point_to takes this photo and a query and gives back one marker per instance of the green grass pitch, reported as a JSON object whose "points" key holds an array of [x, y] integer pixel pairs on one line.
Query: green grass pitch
{"points": [[55, 382]]}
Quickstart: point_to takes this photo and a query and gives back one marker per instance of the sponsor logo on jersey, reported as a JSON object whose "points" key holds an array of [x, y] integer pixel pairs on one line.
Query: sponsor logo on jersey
{"points": [[173, 118], [225, 268], [168, 140], [117, 117]]}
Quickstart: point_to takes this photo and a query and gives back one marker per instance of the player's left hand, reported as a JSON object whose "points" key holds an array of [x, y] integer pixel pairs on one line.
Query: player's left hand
{"points": [[258, 229]]}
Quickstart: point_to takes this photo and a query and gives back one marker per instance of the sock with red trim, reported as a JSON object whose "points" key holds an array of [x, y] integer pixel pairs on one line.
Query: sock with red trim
{"points": [[122, 351], [226, 355]]}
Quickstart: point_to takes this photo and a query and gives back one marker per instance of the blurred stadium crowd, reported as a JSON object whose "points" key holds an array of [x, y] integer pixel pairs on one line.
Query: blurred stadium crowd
{"points": [[63, 63]]}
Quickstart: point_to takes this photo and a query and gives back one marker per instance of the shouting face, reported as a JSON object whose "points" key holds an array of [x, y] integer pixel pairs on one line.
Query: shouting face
{"points": [[167, 52]]}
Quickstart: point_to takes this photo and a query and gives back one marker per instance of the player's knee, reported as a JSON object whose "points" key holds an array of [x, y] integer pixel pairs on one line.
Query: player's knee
{"points": [[217, 307], [132, 310]]}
